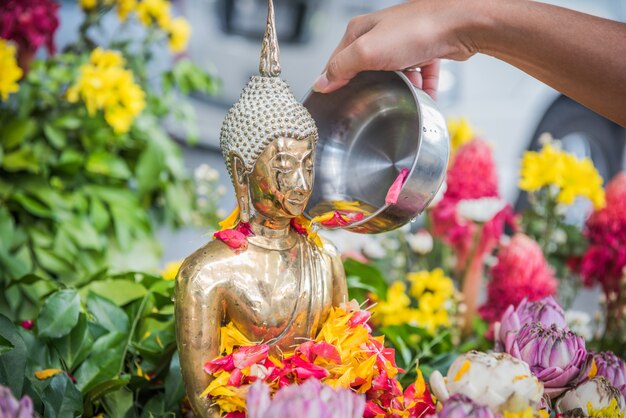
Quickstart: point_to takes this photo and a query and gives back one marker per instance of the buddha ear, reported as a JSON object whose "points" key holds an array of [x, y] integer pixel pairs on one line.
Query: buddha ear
{"points": [[241, 188]]}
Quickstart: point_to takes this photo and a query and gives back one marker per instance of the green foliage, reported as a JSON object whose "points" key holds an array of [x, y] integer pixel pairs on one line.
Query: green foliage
{"points": [[113, 338]]}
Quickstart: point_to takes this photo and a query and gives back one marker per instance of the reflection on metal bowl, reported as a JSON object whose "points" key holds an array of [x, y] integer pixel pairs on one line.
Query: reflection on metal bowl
{"points": [[369, 131]]}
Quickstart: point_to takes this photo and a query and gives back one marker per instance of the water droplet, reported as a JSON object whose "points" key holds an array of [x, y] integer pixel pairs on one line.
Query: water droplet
{"points": [[173, 298], [413, 220]]}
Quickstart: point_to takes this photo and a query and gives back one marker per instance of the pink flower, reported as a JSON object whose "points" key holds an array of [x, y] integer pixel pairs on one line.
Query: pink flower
{"points": [[605, 258], [234, 239], [27, 324], [394, 191], [30, 23], [473, 173], [521, 272]]}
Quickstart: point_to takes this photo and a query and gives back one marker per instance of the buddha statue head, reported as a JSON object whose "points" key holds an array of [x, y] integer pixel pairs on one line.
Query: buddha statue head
{"points": [[268, 141]]}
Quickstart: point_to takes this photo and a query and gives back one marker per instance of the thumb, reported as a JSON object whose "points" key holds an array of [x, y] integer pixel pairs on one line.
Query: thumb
{"points": [[344, 66]]}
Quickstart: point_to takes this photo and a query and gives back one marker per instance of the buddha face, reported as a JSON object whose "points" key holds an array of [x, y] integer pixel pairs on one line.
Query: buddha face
{"points": [[280, 184]]}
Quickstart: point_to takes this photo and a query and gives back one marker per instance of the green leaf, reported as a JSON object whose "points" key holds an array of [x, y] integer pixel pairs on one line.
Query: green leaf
{"points": [[5, 345], [104, 163], [368, 275], [52, 262], [13, 362], [61, 398], [174, 389], [59, 314], [24, 159], [107, 314], [108, 386], [101, 366], [55, 136], [33, 206], [17, 131], [98, 214], [149, 168], [118, 291], [68, 122], [118, 403], [75, 346]]}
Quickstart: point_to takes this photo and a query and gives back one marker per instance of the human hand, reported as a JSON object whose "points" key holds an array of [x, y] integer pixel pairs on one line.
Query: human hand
{"points": [[410, 35]]}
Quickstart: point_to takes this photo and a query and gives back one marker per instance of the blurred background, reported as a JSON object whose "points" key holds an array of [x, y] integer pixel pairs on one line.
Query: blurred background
{"points": [[508, 108]]}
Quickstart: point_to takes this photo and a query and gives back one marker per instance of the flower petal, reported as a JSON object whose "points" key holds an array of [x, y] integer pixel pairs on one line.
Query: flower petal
{"points": [[394, 191]]}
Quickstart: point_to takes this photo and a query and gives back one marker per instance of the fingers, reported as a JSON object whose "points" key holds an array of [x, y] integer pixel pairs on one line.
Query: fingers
{"points": [[345, 65], [426, 78]]}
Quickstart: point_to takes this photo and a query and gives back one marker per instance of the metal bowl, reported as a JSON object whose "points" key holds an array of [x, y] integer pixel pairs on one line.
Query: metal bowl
{"points": [[369, 131]]}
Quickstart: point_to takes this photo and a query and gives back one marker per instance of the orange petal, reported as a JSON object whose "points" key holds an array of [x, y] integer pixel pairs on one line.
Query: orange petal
{"points": [[46, 374]]}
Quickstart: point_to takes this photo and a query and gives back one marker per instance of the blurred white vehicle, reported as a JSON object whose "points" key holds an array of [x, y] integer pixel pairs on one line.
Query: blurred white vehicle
{"points": [[509, 108]]}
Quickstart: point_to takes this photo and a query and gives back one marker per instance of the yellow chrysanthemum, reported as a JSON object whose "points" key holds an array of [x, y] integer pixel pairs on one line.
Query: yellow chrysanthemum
{"points": [[150, 12], [10, 72], [433, 293], [572, 176], [125, 8], [527, 413], [171, 270], [178, 31], [611, 411], [104, 84], [460, 132]]}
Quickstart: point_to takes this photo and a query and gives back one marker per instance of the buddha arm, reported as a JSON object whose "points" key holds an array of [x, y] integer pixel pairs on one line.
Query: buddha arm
{"points": [[199, 314], [340, 287]]}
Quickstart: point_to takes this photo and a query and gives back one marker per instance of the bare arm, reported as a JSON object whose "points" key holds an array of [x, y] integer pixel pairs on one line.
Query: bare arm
{"points": [[580, 55]]}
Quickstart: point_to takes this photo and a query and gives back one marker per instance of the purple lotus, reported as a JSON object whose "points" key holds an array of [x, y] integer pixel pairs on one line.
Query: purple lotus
{"points": [[460, 406], [546, 311], [312, 399], [556, 356], [612, 368], [12, 408]]}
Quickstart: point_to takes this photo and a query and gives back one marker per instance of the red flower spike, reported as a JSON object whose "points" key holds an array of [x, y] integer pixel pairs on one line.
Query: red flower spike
{"points": [[247, 356], [28, 324], [233, 238], [394, 191], [327, 351], [221, 363]]}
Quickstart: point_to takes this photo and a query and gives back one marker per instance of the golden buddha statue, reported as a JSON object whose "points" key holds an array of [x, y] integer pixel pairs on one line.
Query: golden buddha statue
{"points": [[280, 289]]}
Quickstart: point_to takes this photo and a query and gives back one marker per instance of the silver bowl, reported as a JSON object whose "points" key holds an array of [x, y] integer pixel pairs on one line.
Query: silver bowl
{"points": [[369, 131]]}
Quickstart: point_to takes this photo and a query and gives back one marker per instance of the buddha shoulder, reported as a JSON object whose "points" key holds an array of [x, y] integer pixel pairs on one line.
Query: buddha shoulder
{"points": [[210, 262]]}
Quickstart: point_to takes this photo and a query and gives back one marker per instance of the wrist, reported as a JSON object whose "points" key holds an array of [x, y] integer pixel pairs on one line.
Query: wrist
{"points": [[482, 23]]}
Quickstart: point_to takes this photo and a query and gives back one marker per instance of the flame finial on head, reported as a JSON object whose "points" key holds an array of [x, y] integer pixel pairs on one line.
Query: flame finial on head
{"points": [[270, 53]]}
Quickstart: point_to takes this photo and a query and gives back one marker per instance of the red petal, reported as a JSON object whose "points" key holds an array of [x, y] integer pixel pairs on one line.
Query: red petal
{"points": [[233, 238], [221, 363], [372, 410], [359, 318], [245, 229], [306, 349], [394, 191], [236, 378], [247, 356], [327, 351], [236, 414], [305, 370], [298, 228]]}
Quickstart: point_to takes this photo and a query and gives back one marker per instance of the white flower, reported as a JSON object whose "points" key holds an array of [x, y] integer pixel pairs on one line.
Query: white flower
{"points": [[598, 392], [439, 195], [480, 210], [373, 250], [420, 242], [559, 236], [496, 380], [205, 172], [580, 323]]}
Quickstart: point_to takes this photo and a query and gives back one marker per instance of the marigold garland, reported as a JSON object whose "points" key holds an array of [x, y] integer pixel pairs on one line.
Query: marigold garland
{"points": [[344, 354]]}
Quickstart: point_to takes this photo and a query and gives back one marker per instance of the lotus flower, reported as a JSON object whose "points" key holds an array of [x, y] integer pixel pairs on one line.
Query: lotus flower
{"points": [[556, 356], [312, 399], [596, 394], [613, 369], [460, 406], [546, 311], [495, 380], [12, 408]]}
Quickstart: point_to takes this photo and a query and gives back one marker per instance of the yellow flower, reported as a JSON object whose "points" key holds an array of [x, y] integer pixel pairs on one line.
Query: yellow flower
{"points": [[231, 220], [150, 12], [124, 8], [88, 4], [460, 132], [527, 413], [171, 270], [104, 84], [572, 176], [395, 310], [178, 32], [611, 411], [10, 72]]}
